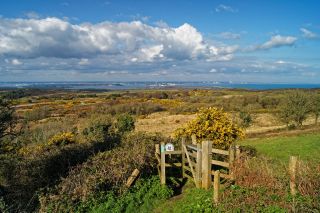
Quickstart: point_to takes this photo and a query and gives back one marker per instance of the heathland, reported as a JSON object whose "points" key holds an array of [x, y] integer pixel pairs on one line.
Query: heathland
{"points": [[73, 150]]}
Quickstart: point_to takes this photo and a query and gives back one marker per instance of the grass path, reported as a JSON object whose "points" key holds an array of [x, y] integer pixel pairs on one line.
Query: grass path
{"points": [[307, 147]]}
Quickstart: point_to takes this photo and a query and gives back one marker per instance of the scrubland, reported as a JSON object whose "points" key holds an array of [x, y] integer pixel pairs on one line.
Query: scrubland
{"points": [[72, 151]]}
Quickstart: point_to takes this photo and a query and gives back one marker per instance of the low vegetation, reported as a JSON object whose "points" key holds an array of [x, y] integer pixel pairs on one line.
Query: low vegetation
{"points": [[66, 151]]}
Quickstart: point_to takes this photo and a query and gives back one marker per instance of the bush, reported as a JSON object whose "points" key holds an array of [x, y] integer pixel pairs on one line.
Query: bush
{"points": [[98, 128], [125, 123], [7, 120], [245, 118], [103, 172], [212, 124], [62, 139]]}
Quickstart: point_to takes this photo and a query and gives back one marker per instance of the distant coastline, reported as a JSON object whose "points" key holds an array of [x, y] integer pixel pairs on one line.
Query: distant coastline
{"points": [[150, 85]]}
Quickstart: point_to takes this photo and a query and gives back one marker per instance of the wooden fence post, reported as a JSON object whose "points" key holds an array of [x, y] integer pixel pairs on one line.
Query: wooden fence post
{"points": [[216, 187], [162, 164], [194, 139], [199, 162], [183, 159], [231, 160], [292, 171], [206, 164], [157, 154], [238, 152]]}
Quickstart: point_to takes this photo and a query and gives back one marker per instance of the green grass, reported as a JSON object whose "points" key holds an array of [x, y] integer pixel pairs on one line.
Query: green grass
{"points": [[307, 147]]}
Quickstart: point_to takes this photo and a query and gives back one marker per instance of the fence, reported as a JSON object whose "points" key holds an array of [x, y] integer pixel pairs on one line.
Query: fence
{"points": [[198, 161]]}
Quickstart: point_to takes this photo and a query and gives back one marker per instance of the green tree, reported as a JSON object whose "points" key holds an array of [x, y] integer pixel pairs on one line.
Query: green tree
{"points": [[296, 107], [7, 120], [315, 106]]}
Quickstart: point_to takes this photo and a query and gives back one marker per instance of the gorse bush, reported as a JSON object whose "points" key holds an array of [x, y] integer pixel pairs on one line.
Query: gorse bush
{"points": [[62, 139], [97, 128], [125, 123], [212, 124]]}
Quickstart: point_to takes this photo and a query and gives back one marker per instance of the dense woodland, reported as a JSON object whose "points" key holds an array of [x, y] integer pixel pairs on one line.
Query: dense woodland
{"points": [[72, 151]]}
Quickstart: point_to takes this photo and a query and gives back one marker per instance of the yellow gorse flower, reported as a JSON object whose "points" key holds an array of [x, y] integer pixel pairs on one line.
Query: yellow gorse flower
{"points": [[212, 124]]}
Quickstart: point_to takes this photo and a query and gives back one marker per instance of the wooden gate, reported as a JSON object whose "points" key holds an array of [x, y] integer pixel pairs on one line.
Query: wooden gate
{"points": [[199, 161]]}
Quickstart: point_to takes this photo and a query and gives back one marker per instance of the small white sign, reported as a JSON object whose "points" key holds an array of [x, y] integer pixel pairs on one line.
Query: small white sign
{"points": [[169, 147]]}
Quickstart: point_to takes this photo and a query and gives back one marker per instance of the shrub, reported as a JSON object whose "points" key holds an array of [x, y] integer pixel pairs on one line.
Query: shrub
{"points": [[62, 139], [245, 118], [106, 171], [97, 128], [125, 123], [212, 124], [7, 120]]}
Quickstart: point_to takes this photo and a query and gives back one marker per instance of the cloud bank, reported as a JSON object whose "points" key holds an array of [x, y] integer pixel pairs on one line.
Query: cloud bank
{"points": [[138, 42]]}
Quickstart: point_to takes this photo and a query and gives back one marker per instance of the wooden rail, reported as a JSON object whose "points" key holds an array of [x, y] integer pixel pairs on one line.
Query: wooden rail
{"points": [[198, 162]]}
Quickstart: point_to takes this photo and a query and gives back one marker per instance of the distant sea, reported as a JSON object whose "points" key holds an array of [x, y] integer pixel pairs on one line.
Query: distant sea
{"points": [[149, 85]]}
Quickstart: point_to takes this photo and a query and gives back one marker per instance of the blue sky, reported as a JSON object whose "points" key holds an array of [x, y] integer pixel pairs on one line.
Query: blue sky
{"points": [[239, 41]]}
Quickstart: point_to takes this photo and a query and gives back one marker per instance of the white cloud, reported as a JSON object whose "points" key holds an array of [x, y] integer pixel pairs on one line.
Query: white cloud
{"points": [[277, 41], [229, 35], [15, 62], [84, 61], [54, 37], [225, 8], [308, 33]]}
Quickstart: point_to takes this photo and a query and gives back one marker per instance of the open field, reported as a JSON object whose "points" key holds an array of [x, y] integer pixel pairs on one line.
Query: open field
{"points": [[306, 147]]}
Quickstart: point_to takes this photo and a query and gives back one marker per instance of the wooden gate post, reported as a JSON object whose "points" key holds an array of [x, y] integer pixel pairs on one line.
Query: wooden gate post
{"points": [[183, 158], [162, 164], [292, 170], [206, 164], [231, 160], [199, 163]]}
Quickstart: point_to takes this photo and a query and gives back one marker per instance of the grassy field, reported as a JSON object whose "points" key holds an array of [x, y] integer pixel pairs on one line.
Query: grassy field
{"points": [[307, 147]]}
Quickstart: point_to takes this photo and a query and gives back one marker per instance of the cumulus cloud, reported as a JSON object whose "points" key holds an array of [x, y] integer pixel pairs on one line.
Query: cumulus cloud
{"points": [[308, 34], [276, 41], [225, 8], [136, 41]]}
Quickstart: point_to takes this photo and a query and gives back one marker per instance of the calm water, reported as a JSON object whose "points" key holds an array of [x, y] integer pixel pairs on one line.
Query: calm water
{"points": [[148, 85]]}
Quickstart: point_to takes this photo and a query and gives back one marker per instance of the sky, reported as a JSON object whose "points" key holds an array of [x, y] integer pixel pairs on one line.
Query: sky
{"points": [[271, 41]]}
